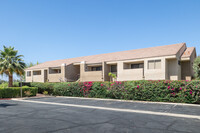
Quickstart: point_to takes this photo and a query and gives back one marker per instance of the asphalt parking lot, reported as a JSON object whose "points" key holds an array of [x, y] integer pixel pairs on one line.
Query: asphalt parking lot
{"points": [[74, 115]]}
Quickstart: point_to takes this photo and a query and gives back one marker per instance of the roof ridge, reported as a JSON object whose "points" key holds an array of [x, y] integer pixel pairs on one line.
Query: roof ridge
{"points": [[119, 55], [116, 52]]}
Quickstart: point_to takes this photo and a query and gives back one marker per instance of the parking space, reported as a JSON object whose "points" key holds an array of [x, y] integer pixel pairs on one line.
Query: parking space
{"points": [[63, 115]]}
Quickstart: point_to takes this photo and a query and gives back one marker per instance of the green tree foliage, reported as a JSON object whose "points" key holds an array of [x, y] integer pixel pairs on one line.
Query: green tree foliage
{"points": [[112, 76], [31, 64], [196, 67], [2, 81], [10, 63]]}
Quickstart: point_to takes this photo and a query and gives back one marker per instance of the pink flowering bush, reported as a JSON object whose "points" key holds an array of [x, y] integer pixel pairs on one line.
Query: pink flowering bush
{"points": [[163, 91], [99, 90], [86, 87], [117, 90]]}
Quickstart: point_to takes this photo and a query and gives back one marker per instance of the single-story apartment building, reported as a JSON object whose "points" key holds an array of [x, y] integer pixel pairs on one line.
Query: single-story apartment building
{"points": [[169, 62]]}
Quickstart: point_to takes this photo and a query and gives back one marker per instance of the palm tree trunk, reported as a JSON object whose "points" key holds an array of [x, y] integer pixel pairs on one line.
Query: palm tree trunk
{"points": [[10, 80]]}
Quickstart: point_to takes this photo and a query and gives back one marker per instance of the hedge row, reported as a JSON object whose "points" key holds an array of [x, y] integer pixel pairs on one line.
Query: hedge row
{"points": [[13, 92], [162, 91]]}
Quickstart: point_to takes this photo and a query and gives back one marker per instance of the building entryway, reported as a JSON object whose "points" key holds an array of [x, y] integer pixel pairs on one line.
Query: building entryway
{"points": [[45, 76]]}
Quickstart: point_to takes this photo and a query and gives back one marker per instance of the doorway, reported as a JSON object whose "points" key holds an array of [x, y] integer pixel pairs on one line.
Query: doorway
{"points": [[45, 76]]}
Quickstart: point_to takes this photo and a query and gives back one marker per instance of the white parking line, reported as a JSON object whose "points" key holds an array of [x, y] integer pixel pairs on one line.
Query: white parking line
{"points": [[115, 109]]}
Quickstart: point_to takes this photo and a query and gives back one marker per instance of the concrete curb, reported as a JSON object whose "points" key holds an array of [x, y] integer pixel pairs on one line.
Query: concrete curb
{"points": [[118, 100], [24, 98], [5, 98]]}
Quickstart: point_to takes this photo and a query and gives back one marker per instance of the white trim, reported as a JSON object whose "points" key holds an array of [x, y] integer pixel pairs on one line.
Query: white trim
{"points": [[64, 64], [82, 62], [185, 58]]}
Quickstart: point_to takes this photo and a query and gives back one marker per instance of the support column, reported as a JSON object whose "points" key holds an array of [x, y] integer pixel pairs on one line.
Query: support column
{"points": [[105, 71], [63, 72], [31, 75], [82, 70]]}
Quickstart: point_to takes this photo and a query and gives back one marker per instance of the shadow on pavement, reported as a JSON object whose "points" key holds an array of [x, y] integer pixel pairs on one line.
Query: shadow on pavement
{"points": [[4, 105]]}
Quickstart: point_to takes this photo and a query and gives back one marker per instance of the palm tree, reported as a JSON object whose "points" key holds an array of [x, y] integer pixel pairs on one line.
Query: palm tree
{"points": [[11, 63]]}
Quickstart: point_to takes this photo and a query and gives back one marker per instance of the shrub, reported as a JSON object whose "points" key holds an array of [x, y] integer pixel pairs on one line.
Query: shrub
{"points": [[27, 93], [196, 68], [43, 87], [68, 89], [5, 84], [162, 91], [99, 90], [45, 92], [13, 92]]}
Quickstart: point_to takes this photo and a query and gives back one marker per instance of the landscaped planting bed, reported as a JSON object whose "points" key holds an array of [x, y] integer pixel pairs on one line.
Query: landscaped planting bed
{"points": [[14, 92], [162, 91]]}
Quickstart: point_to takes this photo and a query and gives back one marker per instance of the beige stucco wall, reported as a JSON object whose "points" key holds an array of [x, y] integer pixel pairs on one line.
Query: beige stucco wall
{"points": [[192, 58], [106, 70], [185, 69], [187, 66], [39, 78], [72, 72], [55, 77], [69, 72], [170, 69], [128, 74], [155, 74], [174, 69], [29, 79], [90, 75], [35, 78]]}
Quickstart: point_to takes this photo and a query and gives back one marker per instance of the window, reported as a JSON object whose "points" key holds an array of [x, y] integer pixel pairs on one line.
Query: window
{"points": [[97, 68], [157, 64], [135, 66], [28, 73], [151, 64], [113, 68], [54, 71], [36, 72], [154, 64]]}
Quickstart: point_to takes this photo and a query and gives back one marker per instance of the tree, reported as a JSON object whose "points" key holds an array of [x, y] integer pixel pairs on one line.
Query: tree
{"points": [[112, 76], [31, 64], [2, 81], [11, 62], [196, 67]]}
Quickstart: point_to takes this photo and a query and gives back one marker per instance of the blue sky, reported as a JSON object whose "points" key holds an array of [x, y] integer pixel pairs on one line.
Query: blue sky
{"points": [[44, 30]]}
